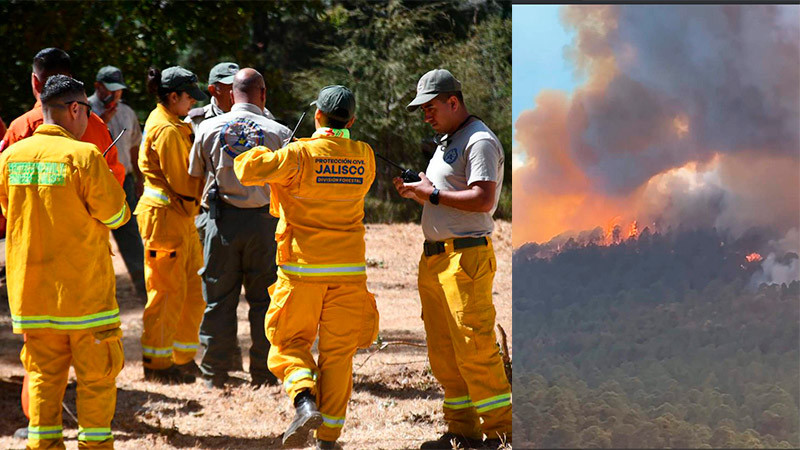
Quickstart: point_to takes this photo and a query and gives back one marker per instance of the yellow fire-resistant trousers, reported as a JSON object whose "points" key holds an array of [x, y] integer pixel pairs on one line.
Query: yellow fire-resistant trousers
{"points": [[455, 288], [98, 359], [347, 318], [175, 305]]}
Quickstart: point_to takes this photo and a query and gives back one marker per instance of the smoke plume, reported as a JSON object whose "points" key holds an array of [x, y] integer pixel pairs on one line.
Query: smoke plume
{"points": [[689, 116]]}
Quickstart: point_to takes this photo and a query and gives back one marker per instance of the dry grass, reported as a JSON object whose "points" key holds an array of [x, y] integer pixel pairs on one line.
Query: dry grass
{"points": [[396, 402]]}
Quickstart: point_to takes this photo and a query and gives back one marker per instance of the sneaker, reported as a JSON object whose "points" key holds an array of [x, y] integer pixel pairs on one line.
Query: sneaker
{"points": [[327, 445], [21, 433], [189, 368], [170, 375], [306, 419], [449, 441]]}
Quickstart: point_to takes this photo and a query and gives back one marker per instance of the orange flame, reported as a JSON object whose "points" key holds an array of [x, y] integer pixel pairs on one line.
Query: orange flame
{"points": [[753, 257], [633, 231]]}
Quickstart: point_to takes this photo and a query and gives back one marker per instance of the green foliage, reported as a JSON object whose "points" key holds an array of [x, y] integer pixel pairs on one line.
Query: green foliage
{"points": [[636, 362], [378, 49]]}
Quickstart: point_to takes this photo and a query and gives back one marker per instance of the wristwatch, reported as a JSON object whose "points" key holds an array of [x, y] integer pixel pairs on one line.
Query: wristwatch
{"points": [[434, 197]]}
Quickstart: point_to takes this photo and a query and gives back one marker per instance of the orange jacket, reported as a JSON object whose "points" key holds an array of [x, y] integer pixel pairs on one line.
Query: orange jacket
{"points": [[96, 133], [318, 187], [60, 200]]}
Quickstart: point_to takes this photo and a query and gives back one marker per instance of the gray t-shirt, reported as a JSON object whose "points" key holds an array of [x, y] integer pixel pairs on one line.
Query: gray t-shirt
{"points": [[124, 118], [472, 154], [221, 139]]}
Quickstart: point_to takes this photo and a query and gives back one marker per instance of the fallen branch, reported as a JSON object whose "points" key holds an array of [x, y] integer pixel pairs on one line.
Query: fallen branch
{"points": [[506, 355], [386, 344]]}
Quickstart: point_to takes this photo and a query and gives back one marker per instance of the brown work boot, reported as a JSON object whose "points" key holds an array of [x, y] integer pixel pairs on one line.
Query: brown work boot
{"points": [[189, 368], [449, 441]]}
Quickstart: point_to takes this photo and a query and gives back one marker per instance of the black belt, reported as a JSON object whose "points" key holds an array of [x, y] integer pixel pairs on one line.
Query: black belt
{"points": [[434, 248]]}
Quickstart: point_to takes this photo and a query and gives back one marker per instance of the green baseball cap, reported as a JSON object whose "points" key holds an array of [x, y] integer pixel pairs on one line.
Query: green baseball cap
{"points": [[111, 77], [223, 73], [337, 102], [177, 78], [432, 84]]}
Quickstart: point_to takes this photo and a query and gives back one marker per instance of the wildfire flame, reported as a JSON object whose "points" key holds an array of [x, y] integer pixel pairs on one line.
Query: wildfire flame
{"points": [[633, 231], [753, 257]]}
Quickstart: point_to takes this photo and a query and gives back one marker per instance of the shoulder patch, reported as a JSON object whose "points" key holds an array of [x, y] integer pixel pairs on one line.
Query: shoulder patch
{"points": [[240, 135]]}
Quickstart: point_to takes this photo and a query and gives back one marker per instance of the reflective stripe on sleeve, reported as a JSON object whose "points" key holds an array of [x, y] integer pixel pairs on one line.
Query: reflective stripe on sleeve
{"points": [[458, 402], [117, 218], [332, 421], [94, 434], [185, 346], [156, 352], [491, 403], [157, 195], [321, 270], [46, 432], [297, 375], [65, 323]]}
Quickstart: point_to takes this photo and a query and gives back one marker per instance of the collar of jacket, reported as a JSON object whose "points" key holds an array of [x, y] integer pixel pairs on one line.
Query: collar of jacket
{"points": [[167, 115], [52, 129], [249, 107], [332, 132]]}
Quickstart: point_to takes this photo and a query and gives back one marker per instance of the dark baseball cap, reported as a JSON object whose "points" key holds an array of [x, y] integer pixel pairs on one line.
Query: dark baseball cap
{"points": [[223, 73], [432, 84], [337, 102], [111, 77], [177, 78]]}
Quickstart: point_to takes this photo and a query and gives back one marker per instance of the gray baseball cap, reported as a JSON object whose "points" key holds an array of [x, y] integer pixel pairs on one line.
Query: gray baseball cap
{"points": [[223, 73], [432, 84], [111, 77], [179, 79], [337, 102]]}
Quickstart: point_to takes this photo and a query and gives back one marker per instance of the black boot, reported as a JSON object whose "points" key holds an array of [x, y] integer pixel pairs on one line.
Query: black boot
{"points": [[449, 441], [306, 419], [326, 445], [170, 375]]}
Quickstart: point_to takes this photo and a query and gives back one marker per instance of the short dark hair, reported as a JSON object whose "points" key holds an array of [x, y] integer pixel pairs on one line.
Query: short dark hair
{"points": [[61, 87], [327, 121], [51, 61], [443, 96]]}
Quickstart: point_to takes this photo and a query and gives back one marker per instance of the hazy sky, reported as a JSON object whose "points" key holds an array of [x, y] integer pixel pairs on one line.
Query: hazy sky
{"points": [[538, 54]]}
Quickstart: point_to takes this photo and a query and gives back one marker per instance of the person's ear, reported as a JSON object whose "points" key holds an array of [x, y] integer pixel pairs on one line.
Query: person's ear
{"points": [[173, 97], [212, 90], [264, 95], [231, 95]]}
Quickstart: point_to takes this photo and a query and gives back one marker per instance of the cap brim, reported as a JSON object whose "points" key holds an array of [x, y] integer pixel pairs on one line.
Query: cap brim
{"points": [[226, 80], [196, 93], [114, 86], [420, 100]]}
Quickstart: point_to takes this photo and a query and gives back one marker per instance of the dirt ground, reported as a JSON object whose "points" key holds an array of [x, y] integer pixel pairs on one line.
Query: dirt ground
{"points": [[396, 402]]}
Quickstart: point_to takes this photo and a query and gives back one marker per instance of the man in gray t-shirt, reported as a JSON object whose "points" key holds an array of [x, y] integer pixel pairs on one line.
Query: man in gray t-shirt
{"points": [[239, 243], [459, 193], [106, 102]]}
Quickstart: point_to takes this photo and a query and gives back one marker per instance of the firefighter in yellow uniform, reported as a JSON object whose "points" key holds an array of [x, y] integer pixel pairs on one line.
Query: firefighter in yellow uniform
{"points": [[318, 187], [61, 199], [459, 192], [165, 215]]}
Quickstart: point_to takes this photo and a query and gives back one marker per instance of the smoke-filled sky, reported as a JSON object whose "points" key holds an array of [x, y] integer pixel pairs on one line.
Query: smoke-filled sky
{"points": [[679, 115]]}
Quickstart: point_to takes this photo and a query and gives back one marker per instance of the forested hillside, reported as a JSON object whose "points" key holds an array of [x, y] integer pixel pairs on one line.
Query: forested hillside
{"points": [[660, 341]]}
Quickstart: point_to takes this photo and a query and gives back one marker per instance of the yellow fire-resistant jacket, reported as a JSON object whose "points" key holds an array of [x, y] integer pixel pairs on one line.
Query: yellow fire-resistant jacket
{"points": [[318, 187], [164, 162], [60, 199]]}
